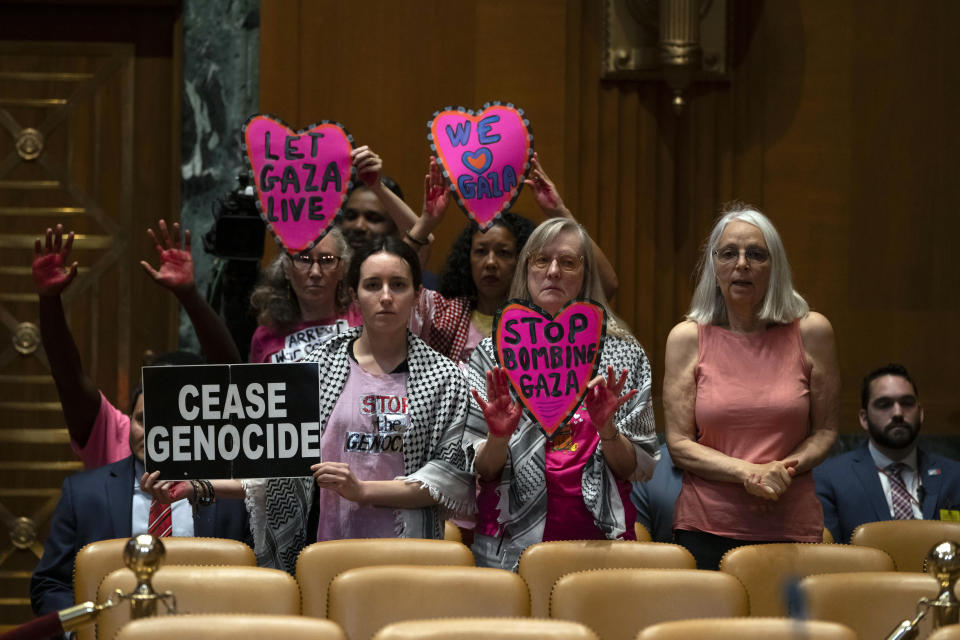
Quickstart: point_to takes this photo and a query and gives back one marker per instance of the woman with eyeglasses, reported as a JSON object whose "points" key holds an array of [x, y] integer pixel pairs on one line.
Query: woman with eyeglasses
{"points": [[577, 485], [301, 301], [750, 396], [480, 265]]}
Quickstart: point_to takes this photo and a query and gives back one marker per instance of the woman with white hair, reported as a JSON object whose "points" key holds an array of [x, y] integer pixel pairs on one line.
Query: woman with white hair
{"points": [[750, 396], [577, 485]]}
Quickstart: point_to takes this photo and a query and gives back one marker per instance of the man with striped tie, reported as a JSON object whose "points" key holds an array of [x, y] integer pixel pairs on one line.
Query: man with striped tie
{"points": [[107, 502], [889, 477]]}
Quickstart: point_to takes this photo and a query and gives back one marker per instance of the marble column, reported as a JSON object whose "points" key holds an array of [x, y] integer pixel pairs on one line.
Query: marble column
{"points": [[221, 46]]}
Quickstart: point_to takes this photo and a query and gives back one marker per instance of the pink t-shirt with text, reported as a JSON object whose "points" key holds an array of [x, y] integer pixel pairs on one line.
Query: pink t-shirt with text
{"points": [[271, 346], [365, 430]]}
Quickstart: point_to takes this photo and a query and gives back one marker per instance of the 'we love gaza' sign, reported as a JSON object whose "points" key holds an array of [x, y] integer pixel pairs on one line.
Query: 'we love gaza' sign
{"points": [[485, 155]]}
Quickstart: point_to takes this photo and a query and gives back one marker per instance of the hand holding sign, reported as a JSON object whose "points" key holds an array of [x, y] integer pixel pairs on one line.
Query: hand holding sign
{"points": [[165, 491], [176, 264], [337, 476], [301, 177], [501, 413], [544, 191], [49, 259], [603, 398], [485, 156], [368, 165], [550, 360]]}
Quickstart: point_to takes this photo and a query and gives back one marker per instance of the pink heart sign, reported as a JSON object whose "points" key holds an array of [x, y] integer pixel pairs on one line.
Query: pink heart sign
{"points": [[550, 360], [484, 155], [302, 177]]}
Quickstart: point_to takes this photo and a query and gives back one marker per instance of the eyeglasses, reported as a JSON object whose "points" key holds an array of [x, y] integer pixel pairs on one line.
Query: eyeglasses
{"points": [[304, 262], [565, 261], [753, 255]]}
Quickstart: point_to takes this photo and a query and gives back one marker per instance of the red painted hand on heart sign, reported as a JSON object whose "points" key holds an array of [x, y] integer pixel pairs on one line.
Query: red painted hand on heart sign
{"points": [[550, 360], [301, 177], [485, 156]]}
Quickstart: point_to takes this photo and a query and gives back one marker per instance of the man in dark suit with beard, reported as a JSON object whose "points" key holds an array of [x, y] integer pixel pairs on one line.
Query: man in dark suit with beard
{"points": [[889, 477], [106, 503]]}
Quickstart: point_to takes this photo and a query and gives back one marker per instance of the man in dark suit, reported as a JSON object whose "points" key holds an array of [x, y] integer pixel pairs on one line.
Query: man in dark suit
{"points": [[889, 477], [107, 502]]}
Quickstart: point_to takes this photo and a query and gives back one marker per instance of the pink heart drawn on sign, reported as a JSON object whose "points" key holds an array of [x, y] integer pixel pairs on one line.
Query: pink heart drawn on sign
{"points": [[484, 155], [301, 177], [550, 359]]}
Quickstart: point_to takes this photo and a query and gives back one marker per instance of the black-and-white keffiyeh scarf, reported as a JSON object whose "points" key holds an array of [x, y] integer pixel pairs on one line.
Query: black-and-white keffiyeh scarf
{"points": [[523, 489], [433, 454]]}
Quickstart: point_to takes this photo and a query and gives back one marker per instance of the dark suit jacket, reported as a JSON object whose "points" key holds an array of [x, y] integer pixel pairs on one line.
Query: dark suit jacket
{"points": [[98, 505], [849, 489]]}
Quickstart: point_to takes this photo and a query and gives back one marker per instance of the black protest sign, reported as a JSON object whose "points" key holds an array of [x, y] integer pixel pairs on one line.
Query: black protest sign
{"points": [[231, 421]]}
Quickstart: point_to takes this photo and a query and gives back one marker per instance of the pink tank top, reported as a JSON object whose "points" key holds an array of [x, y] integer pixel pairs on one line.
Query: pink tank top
{"points": [[753, 403]]}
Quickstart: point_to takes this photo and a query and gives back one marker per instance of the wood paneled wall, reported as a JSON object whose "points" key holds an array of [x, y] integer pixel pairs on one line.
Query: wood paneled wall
{"points": [[837, 122], [99, 81]]}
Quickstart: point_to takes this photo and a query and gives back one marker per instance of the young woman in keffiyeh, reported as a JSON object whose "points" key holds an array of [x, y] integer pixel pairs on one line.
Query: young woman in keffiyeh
{"points": [[393, 410]]}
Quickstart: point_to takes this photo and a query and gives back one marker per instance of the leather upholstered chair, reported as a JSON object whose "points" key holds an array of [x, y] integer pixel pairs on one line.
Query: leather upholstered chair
{"points": [[541, 565], [205, 590], [907, 541], [320, 562], [949, 632], [641, 533], [871, 603], [766, 570], [617, 603], [97, 559], [364, 600]]}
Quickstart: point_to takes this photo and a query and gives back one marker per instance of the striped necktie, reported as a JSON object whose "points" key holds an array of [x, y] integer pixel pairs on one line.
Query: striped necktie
{"points": [[899, 496], [161, 519]]}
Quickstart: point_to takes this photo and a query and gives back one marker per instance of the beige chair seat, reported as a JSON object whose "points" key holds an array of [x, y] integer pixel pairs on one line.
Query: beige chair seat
{"points": [[485, 629], [747, 629], [231, 627]]}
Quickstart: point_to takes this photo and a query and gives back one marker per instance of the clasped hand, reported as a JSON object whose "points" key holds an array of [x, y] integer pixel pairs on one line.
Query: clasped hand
{"points": [[771, 480]]}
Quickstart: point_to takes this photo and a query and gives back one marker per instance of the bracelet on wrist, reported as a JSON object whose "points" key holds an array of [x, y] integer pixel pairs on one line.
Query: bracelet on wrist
{"points": [[616, 434], [416, 241], [203, 493]]}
